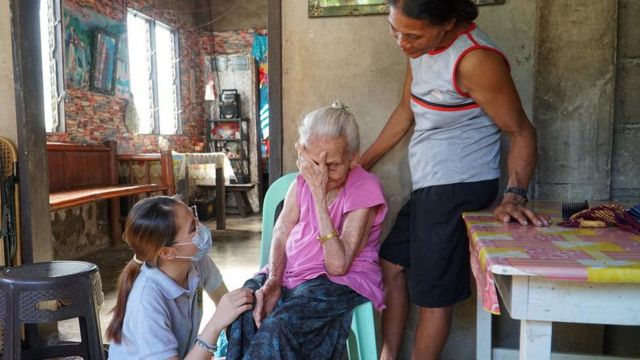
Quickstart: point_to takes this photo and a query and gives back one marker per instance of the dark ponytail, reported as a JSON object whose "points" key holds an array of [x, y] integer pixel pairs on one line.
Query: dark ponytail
{"points": [[125, 283], [437, 12], [150, 226]]}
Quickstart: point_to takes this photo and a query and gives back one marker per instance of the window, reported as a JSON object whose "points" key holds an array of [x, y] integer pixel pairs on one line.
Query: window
{"points": [[51, 51], [154, 69]]}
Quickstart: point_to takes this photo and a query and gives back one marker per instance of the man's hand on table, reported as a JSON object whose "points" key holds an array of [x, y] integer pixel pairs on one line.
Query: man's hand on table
{"points": [[513, 207]]}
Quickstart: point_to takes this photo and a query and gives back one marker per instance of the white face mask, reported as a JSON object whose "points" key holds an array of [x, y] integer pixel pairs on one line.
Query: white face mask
{"points": [[202, 240]]}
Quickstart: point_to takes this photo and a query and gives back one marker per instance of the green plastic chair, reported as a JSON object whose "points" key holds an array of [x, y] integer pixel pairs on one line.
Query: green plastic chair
{"points": [[363, 325]]}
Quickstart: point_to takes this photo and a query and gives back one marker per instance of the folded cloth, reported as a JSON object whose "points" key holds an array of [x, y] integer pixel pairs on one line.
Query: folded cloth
{"points": [[603, 216]]}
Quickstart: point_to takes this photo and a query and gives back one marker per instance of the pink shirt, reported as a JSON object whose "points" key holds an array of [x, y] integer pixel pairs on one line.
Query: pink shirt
{"points": [[305, 259]]}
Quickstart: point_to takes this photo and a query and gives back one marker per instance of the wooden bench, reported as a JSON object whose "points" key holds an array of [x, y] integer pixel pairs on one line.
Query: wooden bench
{"points": [[81, 174]]}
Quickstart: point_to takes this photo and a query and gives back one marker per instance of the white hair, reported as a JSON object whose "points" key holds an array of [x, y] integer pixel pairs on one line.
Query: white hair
{"points": [[331, 122]]}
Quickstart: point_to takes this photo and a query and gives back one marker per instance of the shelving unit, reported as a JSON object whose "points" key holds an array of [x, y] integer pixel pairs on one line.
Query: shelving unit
{"points": [[230, 136]]}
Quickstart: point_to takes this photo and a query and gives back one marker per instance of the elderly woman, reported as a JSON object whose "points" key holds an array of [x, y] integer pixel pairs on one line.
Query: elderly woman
{"points": [[324, 254]]}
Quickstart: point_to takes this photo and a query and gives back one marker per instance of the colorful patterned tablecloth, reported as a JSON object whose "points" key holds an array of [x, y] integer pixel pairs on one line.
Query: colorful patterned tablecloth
{"points": [[607, 255]]}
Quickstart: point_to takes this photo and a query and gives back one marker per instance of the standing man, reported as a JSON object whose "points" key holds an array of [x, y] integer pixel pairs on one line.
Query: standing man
{"points": [[458, 94]]}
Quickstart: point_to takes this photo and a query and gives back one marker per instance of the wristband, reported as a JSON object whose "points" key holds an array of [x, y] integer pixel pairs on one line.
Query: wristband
{"points": [[325, 238], [206, 346], [518, 191]]}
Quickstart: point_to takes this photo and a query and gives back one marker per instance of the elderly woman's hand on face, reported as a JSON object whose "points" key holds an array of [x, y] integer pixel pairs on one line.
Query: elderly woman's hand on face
{"points": [[315, 174]]}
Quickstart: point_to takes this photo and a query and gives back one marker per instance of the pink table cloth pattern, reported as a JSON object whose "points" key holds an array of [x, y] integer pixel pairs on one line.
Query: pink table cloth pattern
{"points": [[607, 255]]}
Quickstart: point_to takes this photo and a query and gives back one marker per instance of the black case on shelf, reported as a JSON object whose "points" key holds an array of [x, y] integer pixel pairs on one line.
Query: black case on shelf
{"points": [[229, 104]]}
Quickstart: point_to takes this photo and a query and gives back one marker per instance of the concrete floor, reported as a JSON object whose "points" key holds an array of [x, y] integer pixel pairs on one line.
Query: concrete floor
{"points": [[235, 251]]}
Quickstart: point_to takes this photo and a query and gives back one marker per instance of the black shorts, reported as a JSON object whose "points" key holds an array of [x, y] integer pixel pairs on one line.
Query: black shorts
{"points": [[429, 238]]}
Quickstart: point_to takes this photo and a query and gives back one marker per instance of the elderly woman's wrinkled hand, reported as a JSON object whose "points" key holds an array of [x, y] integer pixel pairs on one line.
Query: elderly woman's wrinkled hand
{"points": [[266, 298], [315, 174], [510, 209]]}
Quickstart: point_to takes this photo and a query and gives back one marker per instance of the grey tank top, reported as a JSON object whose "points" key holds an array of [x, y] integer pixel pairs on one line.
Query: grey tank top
{"points": [[454, 140]]}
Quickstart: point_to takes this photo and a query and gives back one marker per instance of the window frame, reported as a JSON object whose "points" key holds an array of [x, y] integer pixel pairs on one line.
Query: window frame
{"points": [[58, 59], [152, 23]]}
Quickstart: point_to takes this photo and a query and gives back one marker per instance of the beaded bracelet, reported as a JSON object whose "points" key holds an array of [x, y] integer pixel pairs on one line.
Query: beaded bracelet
{"points": [[206, 346], [324, 239]]}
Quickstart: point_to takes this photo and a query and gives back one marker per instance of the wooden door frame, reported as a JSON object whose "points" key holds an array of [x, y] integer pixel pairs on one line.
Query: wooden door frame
{"points": [[35, 225], [274, 30]]}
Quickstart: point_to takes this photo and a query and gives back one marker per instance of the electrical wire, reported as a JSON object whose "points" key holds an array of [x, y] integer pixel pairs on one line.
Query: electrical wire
{"points": [[215, 19], [152, 8], [184, 11]]}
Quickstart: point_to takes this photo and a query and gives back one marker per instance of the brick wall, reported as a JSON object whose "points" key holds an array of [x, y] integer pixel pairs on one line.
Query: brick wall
{"points": [[93, 118], [227, 42]]}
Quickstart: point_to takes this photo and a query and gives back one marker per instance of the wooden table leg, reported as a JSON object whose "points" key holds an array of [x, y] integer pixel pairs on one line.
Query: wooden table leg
{"points": [[114, 222], [535, 340], [220, 200], [483, 332], [240, 203]]}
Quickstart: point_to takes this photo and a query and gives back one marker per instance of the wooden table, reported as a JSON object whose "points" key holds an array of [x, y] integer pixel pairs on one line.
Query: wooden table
{"points": [[551, 274], [185, 163]]}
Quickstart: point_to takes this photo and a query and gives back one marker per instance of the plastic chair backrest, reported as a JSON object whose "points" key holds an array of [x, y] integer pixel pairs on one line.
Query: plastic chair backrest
{"points": [[363, 325], [274, 197]]}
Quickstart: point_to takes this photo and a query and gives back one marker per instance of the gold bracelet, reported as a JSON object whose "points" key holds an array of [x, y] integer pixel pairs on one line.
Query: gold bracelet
{"points": [[324, 239]]}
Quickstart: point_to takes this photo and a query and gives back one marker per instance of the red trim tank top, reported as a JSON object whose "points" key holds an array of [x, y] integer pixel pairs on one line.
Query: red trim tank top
{"points": [[454, 140]]}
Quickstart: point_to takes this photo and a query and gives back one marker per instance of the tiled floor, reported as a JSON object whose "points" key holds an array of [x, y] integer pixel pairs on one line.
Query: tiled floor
{"points": [[235, 251]]}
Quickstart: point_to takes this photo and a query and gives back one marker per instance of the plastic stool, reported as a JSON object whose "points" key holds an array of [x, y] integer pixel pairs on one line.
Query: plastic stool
{"points": [[49, 292]]}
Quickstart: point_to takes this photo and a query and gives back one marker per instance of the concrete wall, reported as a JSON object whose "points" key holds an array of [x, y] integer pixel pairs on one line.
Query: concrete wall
{"points": [[625, 182], [513, 27], [238, 14], [574, 98], [8, 126]]}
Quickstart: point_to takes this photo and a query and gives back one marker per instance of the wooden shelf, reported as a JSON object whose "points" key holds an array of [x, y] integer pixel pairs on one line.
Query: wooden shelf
{"points": [[223, 120], [239, 147]]}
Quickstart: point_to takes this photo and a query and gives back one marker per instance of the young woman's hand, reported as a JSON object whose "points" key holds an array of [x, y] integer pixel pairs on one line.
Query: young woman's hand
{"points": [[231, 305], [266, 298], [315, 174]]}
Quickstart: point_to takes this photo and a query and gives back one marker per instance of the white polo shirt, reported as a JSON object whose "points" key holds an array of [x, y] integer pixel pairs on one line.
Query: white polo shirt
{"points": [[162, 318]]}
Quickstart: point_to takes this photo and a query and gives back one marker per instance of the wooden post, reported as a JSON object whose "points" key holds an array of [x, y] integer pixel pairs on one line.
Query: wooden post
{"points": [[220, 200], [114, 204], [166, 164]]}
